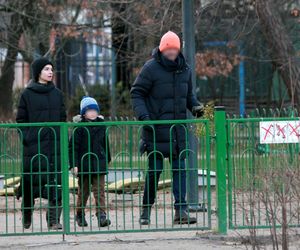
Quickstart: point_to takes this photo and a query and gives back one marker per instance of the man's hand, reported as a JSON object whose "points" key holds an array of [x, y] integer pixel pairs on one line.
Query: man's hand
{"points": [[145, 118], [198, 111], [74, 171]]}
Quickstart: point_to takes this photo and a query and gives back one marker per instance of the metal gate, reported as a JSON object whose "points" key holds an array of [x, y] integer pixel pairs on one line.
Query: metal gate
{"points": [[124, 181]]}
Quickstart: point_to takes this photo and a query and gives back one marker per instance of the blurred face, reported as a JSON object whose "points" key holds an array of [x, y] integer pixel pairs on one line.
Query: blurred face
{"points": [[171, 54], [91, 114], [46, 74]]}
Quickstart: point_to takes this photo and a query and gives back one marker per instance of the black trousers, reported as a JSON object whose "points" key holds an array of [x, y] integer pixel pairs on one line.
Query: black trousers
{"points": [[46, 186], [178, 184]]}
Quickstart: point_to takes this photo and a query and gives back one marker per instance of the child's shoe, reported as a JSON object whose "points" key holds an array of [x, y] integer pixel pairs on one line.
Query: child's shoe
{"points": [[81, 221]]}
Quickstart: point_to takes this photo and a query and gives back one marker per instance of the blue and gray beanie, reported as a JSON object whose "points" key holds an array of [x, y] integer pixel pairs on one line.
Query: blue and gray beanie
{"points": [[88, 103]]}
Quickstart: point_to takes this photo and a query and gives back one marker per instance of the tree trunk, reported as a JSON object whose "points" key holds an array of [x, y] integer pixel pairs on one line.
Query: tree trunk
{"points": [[120, 36], [282, 51], [8, 70]]}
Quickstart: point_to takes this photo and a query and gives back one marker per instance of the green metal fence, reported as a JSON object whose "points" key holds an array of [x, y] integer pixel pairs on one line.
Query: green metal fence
{"points": [[263, 179], [250, 184], [50, 188], [258, 185]]}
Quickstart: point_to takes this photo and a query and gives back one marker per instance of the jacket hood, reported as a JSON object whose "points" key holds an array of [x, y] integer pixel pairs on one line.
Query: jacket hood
{"points": [[179, 64], [41, 88]]}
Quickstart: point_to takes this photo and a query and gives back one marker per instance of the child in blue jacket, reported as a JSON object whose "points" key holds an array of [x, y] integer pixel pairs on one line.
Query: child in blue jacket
{"points": [[89, 157]]}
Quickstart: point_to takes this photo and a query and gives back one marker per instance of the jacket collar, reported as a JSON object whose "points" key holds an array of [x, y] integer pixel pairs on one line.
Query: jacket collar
{"points": [[41, 88], [80, 118]]}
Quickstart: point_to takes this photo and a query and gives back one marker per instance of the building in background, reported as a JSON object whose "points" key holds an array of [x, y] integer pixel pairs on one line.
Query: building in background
{"points": [[78, 61], [84, 60], [22, 70]]}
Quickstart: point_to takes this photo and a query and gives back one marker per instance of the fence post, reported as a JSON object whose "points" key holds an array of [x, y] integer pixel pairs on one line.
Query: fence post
{"points": [[65, 177], [220, 128]]}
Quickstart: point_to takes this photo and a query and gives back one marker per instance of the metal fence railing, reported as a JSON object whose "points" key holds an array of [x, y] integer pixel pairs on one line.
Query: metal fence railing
{"points": [[39, 192], [251, 184], [263, 179], [258, 184]]}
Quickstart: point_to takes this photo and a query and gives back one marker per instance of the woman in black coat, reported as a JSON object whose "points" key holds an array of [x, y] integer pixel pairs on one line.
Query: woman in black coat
{"points": [[41, 102]]}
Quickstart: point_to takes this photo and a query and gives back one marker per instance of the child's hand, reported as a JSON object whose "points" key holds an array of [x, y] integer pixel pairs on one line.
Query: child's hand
{"points": [[74, 171]]}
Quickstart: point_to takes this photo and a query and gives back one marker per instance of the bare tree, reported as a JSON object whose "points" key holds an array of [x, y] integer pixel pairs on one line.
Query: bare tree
{"points": [[15, 30], [27, 30], [137, 27], [283, 53]]}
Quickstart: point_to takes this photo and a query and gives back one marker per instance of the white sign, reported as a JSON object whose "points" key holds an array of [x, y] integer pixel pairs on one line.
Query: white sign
{"points": [[279, 132]]}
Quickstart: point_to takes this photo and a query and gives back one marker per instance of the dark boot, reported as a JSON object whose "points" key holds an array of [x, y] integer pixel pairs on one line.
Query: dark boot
{"points": [[53, 216], [80, 219], [27, 219], [27, 205], [55, 226], [145, 216], [181, 217], [102, 220]]}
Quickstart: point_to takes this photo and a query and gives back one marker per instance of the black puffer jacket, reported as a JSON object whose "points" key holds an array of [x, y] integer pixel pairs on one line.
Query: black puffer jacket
{"points": [[163, 91], [89, 149], [41, 146]]}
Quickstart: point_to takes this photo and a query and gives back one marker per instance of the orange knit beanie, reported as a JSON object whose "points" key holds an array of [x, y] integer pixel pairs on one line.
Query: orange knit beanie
{"points": [[169, 41]]}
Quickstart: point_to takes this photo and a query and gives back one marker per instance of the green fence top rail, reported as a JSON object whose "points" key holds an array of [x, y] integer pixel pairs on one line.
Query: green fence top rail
{"points": [[265, 119], [106, 123]]}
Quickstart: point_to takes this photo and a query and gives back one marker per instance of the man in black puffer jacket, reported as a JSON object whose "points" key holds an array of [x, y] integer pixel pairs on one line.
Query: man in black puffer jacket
{"points": [[163, 91], [41, 102]]}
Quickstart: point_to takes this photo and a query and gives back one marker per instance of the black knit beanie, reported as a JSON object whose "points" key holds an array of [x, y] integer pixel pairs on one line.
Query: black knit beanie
{"points": [[38, 65]]}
